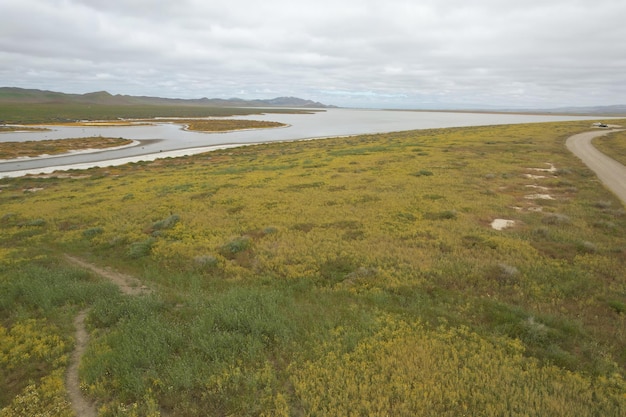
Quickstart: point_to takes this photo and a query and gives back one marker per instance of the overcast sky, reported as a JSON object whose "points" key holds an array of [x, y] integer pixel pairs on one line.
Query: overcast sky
{"points": [[358, 53]]}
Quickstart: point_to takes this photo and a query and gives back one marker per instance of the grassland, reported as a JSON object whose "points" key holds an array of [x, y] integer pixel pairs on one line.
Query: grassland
{"points": [[225, 125], [21, 128], [346, 276], [614, 145]]}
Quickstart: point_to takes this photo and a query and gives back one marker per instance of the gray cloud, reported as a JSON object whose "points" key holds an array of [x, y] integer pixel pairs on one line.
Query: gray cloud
{"points": [[397, 53]]}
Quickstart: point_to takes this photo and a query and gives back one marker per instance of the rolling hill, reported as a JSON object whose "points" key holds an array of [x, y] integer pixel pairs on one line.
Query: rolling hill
{"points": [[34, 96]]}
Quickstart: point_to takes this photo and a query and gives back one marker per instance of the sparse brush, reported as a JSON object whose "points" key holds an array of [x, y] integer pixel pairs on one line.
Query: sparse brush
{"points": [[556, 219]]}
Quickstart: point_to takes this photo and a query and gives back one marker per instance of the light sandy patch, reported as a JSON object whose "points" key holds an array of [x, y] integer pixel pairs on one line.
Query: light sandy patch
{"points": [[63, 175], [534, 177], [538, 187], [501, 224], [551, 169], [539, 197], [533, 209], [33, 190]]}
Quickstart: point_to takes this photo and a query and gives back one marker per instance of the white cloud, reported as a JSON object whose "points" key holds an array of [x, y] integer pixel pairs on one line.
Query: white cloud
{"points": [[394, 53]]}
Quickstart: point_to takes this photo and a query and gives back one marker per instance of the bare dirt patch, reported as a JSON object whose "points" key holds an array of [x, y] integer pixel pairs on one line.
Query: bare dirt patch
{"points": [[539, 197], [552, 168]]}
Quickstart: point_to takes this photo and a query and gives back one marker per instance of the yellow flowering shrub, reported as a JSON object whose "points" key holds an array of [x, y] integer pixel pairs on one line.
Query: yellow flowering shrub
{"points": [[407, 370], [44, 399], [31, 340]]}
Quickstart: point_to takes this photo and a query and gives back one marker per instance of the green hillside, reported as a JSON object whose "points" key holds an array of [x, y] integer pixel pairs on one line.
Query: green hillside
{"points": [[30, 106]]}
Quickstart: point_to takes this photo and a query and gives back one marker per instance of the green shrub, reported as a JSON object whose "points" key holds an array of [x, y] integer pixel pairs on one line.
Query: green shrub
{"points": [[617, 306], [93, 232], [140, 249], [235, 246], [442, 215], [167, 223]]}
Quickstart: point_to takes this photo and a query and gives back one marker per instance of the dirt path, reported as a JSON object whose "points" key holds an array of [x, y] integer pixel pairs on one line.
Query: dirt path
{"points": [[609, 171], [128, 285], [82, 407]]}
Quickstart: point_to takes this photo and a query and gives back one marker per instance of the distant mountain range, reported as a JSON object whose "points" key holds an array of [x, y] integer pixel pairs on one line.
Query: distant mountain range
{"points": [[10, 95], [617, 110], [21, 95]]}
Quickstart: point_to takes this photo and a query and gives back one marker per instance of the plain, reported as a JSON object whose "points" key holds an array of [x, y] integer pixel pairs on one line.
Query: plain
{"points": [[344, 276]]}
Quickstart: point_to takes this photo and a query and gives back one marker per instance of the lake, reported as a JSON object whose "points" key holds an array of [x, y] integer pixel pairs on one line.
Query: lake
{"points": [[169, 139]]}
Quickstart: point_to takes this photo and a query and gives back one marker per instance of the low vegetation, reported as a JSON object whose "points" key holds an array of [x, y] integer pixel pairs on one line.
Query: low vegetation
{"points": [[614, 145], [345, 276], [39, 113], [223, 125], [32, 148], [16, 128]]}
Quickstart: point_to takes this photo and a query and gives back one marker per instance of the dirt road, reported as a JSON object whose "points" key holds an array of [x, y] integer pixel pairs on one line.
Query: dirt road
{"points": [[609, 171]]}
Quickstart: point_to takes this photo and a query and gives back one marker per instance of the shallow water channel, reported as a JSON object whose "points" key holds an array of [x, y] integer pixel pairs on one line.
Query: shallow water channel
{"points": [[170, 139]]}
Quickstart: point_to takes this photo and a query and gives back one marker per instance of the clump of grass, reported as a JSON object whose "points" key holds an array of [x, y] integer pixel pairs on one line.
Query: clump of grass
{"points": [[303, 227], [617, 306], [563, 171], [166, 223], [35, 223], [541, 232], [441, 215], [270, 230], [93, 232], [235, 246], [42, 286], [587, 247], [556, 219], [507, 274], [140, 249], [335, 270], [205, 261], [304, 186], [605, 224], [604, 204], [423, 173]]}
